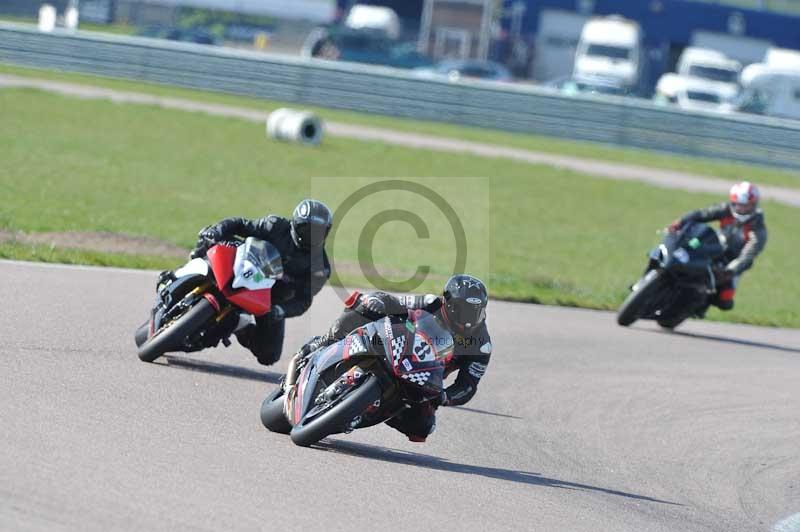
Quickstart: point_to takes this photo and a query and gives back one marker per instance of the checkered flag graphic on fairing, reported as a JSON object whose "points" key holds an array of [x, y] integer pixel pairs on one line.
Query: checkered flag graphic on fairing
{"points": [[398, 347], [418, 378]]}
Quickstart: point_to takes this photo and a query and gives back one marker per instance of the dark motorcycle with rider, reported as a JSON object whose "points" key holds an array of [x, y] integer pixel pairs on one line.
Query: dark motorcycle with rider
{"points": [[370, 376], [680, 278], [696, 266]]}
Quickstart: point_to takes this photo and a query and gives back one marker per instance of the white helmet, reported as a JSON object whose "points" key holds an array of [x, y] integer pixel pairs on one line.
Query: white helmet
{"points": [[744, 198]]}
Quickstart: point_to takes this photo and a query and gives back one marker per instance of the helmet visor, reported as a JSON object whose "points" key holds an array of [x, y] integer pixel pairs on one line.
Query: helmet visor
{"points": [[743, 208], [464, 314], [310, 235]]}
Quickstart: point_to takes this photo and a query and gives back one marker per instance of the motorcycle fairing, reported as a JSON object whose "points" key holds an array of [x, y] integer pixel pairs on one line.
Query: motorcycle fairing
{"points": [[255, 301], [417, 353], [422, 372], [193, 267], [687, 256], [221, 257]]}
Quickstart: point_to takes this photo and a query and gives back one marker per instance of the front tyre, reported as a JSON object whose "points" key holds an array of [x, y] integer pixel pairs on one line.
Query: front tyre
{"points": [[172, 336], [335, 420], [633, 306], [272, 415]]}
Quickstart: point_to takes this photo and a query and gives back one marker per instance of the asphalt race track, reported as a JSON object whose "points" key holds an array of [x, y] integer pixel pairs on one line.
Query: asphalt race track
{"points": [[579, 425]]}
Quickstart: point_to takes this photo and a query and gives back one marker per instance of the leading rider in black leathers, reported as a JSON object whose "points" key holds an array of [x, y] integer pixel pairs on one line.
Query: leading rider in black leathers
{"points": [[306, 269]]}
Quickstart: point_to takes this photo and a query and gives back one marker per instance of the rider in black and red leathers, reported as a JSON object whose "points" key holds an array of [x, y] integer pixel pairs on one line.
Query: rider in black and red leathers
{"points": [[461, 309], [300, 242], [742, 224]]}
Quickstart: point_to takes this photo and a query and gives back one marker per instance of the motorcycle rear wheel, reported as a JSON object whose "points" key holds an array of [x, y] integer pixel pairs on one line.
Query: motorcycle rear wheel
{"points": [[171, 337], [635, 303], [336, 419]]}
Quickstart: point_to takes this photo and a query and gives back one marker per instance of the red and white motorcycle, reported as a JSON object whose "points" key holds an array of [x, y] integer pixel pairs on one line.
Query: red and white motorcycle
{"points": [[210, 298]]}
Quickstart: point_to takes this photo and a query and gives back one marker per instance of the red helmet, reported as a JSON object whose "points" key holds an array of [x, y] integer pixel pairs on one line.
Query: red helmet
{"points": [[744, 198]]}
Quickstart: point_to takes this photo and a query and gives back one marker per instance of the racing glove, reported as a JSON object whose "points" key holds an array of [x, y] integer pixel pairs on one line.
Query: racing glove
{"points": [[674, 227], [725, 276], [441, 400], [207, 237], [310, 346]]}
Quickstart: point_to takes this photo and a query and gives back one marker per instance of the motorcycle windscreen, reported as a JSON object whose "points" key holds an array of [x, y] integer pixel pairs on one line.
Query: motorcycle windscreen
{"points": [[702, 239], [257, 263], [256, 266], [697, 246]]}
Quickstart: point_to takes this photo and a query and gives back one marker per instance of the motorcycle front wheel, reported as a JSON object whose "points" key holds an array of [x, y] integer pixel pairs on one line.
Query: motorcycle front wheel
{"points": [[335, 420], [272, 415], [172, 336], [636, 302]]}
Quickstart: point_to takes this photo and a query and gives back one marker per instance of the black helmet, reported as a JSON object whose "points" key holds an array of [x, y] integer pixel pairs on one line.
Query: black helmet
{"points": [[311, 222], [465, 300]]}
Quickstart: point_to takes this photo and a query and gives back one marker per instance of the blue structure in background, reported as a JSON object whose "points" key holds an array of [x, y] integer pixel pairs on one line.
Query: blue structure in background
{"points": [[667, 25], [671, 21]]}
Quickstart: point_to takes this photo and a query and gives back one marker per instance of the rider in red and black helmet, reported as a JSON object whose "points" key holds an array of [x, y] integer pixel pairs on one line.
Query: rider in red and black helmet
{"points": [[742, 223], [461, 308]]}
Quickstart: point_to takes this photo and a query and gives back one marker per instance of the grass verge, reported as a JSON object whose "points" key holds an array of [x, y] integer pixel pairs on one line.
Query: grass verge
{"points": [[588, 150], [535, 233], [44, 253]]}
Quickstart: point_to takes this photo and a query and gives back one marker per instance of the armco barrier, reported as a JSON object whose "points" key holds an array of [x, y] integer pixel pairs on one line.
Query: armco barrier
{"points": [[620, 121]]}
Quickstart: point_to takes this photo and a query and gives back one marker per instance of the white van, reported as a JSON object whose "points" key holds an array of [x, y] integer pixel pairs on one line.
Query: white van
{"points": [[771, 90], [710, 65], [696, 94], [610, 47]]}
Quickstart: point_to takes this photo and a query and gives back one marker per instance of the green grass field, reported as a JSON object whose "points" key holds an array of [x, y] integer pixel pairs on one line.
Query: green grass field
{"points": [[721, 169], [535, 233]]}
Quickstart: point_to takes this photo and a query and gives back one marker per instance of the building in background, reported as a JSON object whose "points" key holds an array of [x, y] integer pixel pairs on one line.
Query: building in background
{"points": [[456, 29]]}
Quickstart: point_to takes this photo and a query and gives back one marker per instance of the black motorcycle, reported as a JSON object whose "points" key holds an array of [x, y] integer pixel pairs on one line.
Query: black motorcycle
{"points": [[367, 378], [679, 279]]}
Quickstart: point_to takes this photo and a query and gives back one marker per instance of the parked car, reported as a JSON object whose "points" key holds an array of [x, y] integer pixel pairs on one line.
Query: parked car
{"points": [[710, 65], [340, 43], [693, 93], [456, 69], [589, 85], [173, 33]]}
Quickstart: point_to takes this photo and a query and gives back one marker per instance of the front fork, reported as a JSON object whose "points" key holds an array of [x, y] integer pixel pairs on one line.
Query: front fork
{"points": [[295, 365]]}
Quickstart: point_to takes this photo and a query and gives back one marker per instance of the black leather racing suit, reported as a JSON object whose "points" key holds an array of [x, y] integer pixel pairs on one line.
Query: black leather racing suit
{"points": [[470, 358], [745, 240], [305, 272]]}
